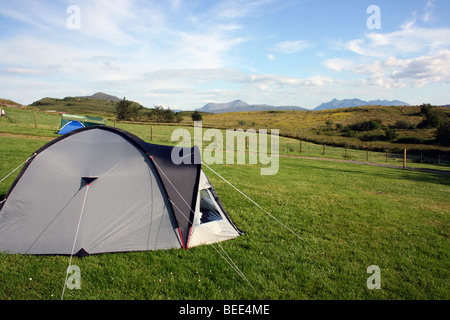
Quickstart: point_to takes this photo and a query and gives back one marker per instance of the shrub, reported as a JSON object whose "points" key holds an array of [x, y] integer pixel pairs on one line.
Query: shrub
{"points": [[169, 115], [242, 123], [390, 134], [373, 137], [126, 110], [425, 108], [434, 117], [159, 114], [349, 133], [443, 134], [178, 118], [365, 125], [411, 140], [402, 124], [196, 116]]}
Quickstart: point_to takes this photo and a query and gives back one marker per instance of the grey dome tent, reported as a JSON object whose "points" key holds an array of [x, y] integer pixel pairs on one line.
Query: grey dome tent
{"points": [[100, 189]]}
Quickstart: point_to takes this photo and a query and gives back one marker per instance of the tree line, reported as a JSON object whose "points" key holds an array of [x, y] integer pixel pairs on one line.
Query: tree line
{"points": [[436, 119], [132, 111]]}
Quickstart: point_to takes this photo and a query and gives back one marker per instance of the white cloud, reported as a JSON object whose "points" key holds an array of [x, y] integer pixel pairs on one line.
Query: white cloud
{"points": [[120, 43], [428, 68], [107, 41], [406, 41], [429, 8], [338, 64], [412, 56], [318, 81], [398, 73], [235, 9], [176, 87], [191, 77], [271, 57], [109, 20], [21, 71], [289, 47], [175, 4]]}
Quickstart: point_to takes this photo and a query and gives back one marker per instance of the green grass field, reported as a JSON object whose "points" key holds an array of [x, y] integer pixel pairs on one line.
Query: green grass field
{"points": [[351, 216]]}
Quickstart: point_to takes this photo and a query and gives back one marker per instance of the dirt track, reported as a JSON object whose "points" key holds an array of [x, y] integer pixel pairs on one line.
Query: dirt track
{"points": [[26, 136]]}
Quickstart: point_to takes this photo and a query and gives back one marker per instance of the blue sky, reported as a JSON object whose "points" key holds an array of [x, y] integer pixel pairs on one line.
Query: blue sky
{"points": [[186, 53]]}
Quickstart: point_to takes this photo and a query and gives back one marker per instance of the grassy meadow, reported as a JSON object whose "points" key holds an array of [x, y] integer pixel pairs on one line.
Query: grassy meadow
{"points": [[349, 216], [322, 126]]}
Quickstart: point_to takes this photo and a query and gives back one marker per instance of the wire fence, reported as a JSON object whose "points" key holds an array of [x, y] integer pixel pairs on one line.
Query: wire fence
{"points": [[303, 148], [289, 146]]}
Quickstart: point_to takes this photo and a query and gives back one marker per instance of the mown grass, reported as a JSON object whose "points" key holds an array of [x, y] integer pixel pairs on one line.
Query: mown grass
{"points": [[351, 216]]}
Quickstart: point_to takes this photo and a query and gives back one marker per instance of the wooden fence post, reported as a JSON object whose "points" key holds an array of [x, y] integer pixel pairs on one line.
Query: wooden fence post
{"points": [[324, 149], [300, 146], [151, 133], [404, 159], [35, 119]]}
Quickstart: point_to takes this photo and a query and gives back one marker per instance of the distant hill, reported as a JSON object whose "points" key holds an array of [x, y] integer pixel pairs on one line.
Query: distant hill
{"points": [[349, 103], [213, 107], [98, 104], [241, 106], [10, 104], [102, 96], [78, 105]]}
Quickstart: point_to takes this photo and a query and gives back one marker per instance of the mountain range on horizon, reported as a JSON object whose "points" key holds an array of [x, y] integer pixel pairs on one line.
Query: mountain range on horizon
{"points": [[240, 106], [349, 103]]}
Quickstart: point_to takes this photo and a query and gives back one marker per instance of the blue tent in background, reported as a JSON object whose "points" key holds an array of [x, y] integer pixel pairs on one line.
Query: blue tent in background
{"points": [[70, 122], [70, 126]]}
